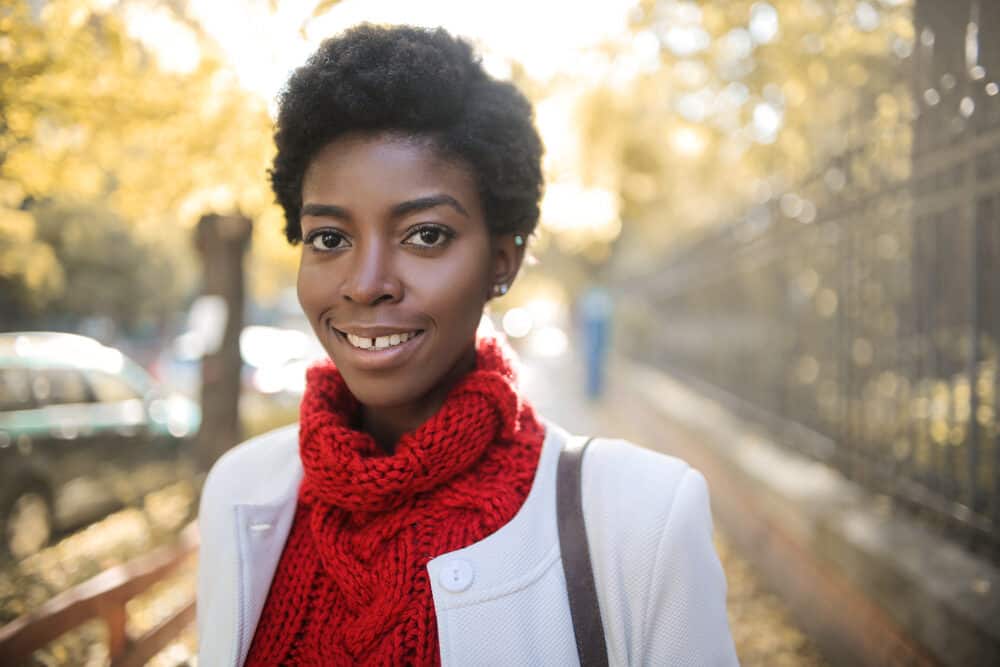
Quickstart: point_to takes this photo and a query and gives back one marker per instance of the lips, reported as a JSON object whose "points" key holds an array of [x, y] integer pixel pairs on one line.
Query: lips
{"points": [[377, 348]]}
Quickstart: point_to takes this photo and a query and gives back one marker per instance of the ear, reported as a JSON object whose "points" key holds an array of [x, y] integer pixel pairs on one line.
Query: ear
{"points": [[506, 259]]}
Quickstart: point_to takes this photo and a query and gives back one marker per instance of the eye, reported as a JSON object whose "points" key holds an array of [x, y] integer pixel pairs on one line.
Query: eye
{"points": [[429, 236], [327, 239]]}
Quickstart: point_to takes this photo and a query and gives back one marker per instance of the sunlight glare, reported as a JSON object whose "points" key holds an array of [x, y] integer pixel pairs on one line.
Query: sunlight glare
{"points": [[568, 206], [175, 45], [686, 40], [688, 142], [517, 322], [767, 121], [763, 22], [518, 30], [264, 45]]}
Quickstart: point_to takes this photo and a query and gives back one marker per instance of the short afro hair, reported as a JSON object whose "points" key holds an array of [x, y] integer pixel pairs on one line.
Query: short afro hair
{"points": [[415, 82]]}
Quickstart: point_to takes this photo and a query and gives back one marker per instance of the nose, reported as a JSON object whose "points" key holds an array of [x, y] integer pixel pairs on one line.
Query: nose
{"points": [[371, 278]]}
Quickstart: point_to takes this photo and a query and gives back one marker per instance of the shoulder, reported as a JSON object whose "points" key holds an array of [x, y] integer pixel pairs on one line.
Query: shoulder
{"points": [[649, 528], [642, 506], [635, 500], [255, 471], [619, 475]]}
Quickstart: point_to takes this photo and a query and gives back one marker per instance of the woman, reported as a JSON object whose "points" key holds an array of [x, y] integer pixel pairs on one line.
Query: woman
{"points": [[410, 516]]}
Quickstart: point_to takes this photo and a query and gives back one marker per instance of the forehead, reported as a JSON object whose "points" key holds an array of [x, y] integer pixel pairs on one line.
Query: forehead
{"points": [[384, 167]]}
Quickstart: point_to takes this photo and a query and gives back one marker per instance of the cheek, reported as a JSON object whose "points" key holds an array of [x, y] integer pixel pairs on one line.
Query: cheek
{"points": [[309, 286], [455, 291]]}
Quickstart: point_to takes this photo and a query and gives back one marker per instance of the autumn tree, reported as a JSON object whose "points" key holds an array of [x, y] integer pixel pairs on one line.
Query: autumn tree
{"points": [[728, 104], [90, 117]]}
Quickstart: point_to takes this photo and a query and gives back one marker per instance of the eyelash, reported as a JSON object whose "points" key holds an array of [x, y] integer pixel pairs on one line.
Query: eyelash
{"points": [[446, 234], [322, 232]]}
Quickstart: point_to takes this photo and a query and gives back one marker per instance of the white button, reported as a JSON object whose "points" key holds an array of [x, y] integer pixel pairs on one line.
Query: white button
{"points": [[457, 575]]}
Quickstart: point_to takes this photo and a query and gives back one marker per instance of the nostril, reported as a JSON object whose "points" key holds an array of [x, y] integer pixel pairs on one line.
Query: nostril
{"points": [[377, 300], [371, 287]]}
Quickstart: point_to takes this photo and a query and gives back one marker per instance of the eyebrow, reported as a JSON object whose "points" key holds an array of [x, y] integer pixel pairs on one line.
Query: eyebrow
{"points": [[424, 203], [398, 211], [325, 211]]}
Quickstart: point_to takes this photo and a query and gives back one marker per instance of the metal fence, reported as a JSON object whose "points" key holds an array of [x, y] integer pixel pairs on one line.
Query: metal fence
{"points": [[864, 309]]}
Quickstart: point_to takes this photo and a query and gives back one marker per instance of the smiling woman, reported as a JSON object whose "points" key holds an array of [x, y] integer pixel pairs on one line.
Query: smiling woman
{"points": [[411, 517], [397, 245]]}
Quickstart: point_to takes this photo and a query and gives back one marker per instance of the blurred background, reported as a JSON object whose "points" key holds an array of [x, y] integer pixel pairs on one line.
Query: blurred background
{"points": [[770, 244]]}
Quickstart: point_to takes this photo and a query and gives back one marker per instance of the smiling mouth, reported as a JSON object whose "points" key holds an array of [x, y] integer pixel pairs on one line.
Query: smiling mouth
{"points": [[378, 343]]}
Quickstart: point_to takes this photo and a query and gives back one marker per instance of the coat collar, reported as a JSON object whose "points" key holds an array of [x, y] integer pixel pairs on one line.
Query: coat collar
{"points": [[508, 559]]}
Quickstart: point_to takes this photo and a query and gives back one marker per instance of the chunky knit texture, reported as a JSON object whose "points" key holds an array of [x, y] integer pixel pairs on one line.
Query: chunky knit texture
{"points": [[351, 587]]}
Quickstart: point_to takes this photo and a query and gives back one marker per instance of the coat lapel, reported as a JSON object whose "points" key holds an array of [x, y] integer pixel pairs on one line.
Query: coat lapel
{"points": [[262, 531]]}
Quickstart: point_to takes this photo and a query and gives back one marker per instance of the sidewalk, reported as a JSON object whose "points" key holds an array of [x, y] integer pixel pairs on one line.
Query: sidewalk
{"points": [[762, 628]]}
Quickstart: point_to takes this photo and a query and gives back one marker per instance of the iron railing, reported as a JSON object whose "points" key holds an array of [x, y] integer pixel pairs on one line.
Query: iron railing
{"points": [[864, 309]]}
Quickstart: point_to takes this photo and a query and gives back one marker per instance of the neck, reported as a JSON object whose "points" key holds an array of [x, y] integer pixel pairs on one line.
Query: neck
{"points": [[386, 424]]}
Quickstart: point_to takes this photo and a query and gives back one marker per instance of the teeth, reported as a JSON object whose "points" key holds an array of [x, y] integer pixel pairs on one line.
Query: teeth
{"points": [[380, 342]]}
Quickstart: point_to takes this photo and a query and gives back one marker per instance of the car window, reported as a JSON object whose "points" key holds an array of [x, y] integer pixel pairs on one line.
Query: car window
{"points": [[109, 388], [57, 386], [15, 389]]}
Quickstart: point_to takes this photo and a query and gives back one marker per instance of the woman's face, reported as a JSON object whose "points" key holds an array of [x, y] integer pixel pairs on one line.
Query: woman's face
{"points": [[397, 264]]}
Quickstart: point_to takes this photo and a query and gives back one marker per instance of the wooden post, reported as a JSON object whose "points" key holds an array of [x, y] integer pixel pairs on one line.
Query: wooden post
{"points": [[116, 618], [222, 241]]}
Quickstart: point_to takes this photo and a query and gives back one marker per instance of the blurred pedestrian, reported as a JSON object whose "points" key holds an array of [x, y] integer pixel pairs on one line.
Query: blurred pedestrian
{"points": [[595, 319], [410, 518]]}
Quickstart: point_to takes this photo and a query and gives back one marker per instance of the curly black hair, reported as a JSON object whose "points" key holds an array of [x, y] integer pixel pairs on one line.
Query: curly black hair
{"points": [[419, 83]]}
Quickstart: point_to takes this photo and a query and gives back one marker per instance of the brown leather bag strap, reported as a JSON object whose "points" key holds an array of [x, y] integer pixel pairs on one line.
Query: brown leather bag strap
{"points": [[580, 587]]}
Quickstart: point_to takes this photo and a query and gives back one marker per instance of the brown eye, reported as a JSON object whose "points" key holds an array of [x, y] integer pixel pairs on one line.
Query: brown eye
{"points": [[429, 236], [327, 239]]}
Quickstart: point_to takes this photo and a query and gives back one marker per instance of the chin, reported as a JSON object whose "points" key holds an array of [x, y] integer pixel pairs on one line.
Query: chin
{"points": [[384, 392]]}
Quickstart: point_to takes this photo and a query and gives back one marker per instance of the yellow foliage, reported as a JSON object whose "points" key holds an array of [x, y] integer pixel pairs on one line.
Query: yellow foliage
{"points": [[819, 74], [11, 193], [34, 174], [91, 117], [16, 227], [795, 92], [688, 144], [36, 265], [87, 101]]}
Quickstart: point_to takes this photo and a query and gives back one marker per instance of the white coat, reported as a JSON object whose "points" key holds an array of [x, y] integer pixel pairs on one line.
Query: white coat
{"points": [[502, 600]]}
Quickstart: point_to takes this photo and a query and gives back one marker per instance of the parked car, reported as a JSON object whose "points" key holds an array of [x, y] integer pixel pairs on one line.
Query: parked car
{"points": [[83, 430]]}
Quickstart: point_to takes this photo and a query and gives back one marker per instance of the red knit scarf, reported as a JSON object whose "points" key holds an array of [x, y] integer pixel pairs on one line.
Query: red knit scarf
{"points": [[351, 587]]}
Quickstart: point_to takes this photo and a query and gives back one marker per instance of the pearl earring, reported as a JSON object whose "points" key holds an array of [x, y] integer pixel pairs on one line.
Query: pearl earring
{"points": [[500, 289], [518, 240]]}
